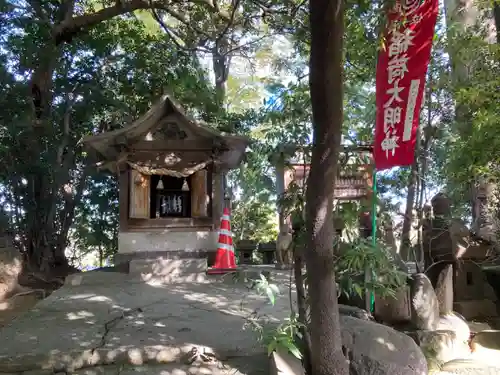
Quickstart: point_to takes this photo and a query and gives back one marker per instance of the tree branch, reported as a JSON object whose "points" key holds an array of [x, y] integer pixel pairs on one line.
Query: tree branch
{"points": [[64, 31], [39, 11], [67, 10], [230, 22], [173, 35]]}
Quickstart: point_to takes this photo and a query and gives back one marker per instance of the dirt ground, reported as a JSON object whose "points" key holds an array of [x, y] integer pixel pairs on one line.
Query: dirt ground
{"points": [[42, 288]]}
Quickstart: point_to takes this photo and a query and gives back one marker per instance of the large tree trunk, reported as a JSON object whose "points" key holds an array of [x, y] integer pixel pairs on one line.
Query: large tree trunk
{"points": [[408, 221], [496, 15], [49, 216], [221, 62], [326, 85], [406, 240]]}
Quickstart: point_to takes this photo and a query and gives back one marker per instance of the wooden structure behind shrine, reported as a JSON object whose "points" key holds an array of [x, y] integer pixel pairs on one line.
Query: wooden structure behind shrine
{"points": [[354, 179], [170, 170]]}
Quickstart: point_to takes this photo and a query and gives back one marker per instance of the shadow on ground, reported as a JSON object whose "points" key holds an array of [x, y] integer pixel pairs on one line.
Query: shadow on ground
{"points": [[113, 319]]}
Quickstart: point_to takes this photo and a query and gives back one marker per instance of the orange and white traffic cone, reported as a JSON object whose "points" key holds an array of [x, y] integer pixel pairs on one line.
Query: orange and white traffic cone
{"points": [[225, 260]]}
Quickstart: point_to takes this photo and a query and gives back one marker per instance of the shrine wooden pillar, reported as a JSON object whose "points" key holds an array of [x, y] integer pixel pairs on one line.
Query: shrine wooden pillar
{"points": [[365, 216], [123, 199], [217, 195]]}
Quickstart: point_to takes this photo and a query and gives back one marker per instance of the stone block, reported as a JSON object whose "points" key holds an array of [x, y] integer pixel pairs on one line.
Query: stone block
{"points": [[268, 251], [167, 241], [444, 289], [393, 310], [245, 251], [471, 283], [283, 363], [170, 270], [424, 303], [475, 309]]}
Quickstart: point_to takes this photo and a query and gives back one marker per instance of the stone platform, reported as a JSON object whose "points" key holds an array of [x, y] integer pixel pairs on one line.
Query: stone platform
{"points": [[108, 320]]}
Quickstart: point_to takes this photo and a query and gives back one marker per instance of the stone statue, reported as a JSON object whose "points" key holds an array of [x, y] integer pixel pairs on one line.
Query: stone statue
{"points": [[483, 211], [284, 251]]}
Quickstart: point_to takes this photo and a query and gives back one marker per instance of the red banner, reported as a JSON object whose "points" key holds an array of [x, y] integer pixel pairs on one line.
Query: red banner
{"points": [[401, 70]]}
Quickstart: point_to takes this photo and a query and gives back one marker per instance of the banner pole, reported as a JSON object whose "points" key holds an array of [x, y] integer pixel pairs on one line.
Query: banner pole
{"points": [[374, 209], [369, 296]]}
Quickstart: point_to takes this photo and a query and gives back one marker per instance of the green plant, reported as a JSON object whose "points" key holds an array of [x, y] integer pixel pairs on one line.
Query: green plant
{"points": [[285, 337], [286, 334], [264, 287], [355, 258]]}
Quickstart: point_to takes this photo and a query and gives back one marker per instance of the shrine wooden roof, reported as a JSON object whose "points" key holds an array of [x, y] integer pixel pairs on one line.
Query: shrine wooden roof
{"points": [[354, 178], [353, 183], [167, 137]]}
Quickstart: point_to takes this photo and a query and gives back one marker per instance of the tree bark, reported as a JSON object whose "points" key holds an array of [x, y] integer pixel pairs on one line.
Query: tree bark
{"points": [[298, 250], [496, 15], [406, 244], [326, 86]]}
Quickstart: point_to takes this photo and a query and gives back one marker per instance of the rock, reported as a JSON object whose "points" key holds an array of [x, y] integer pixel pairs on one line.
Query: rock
{"points": [[373, 348], [444, 289], [485, 347], [440, 346], [469, 367], [355, 312], [393, 310], [10, 268], [424, 303], [455, 323]]}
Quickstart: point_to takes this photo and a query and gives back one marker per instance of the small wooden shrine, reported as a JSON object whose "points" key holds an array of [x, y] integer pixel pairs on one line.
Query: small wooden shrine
{"points": [[354, 183], [171, 183], [354, 180]]}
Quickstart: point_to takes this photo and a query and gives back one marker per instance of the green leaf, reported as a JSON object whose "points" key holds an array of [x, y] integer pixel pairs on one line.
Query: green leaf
{"points": [[270, 295], [274, 288], [271, 347], [292, 348]]}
